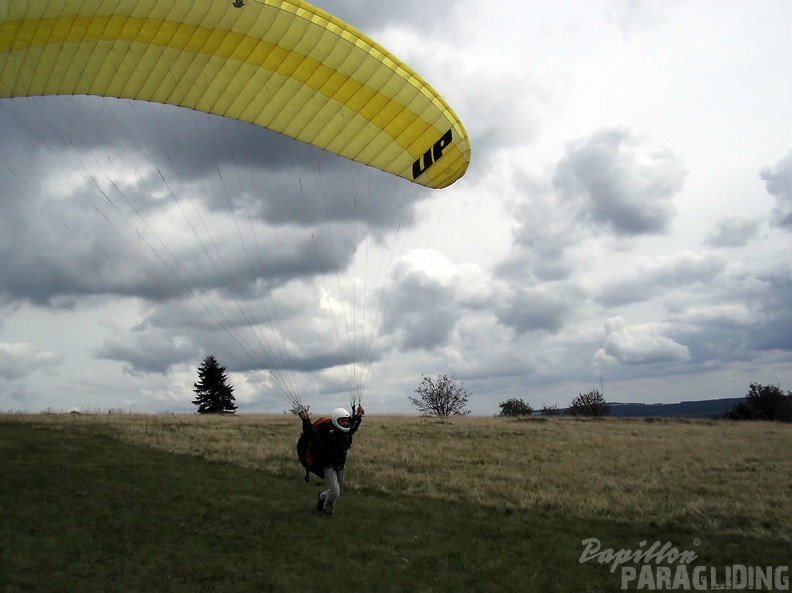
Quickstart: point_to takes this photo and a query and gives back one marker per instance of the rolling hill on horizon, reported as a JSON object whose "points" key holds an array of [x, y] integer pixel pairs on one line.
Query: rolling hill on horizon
{"points": [[709, 408]]}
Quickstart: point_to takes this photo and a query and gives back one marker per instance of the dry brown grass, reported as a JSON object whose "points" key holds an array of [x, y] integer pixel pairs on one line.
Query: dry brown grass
{"points": [[718, 475]]}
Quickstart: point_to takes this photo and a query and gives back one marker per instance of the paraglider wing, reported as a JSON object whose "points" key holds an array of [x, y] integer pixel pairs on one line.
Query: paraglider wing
{"points": [[284, 65]]}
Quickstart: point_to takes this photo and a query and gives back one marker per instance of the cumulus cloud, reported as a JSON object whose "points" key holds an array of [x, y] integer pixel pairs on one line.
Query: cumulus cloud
{"points": [[423, 309], [651, 277], [540, 308], [733, 232], [638, 344], [430, 296], [164, 202], [20, 359], [620, 182], [297, 327], [778, 181], [745, 315], [149, 351], [713, 332], [773, 331], [544, 235]]}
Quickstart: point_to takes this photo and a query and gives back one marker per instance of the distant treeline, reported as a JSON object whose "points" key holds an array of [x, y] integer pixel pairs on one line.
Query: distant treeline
{"points": [[709, 408], [762, 402]]}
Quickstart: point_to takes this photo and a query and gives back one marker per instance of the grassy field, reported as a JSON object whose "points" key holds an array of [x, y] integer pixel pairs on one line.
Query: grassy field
{"points": [[116, 502]]}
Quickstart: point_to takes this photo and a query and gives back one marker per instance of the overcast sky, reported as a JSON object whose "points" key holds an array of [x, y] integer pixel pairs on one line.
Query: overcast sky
{"points": [[626, 221]]}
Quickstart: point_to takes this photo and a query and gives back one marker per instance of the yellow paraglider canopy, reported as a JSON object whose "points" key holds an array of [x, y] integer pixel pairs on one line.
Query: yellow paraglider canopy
{"points": [[281, 64]]}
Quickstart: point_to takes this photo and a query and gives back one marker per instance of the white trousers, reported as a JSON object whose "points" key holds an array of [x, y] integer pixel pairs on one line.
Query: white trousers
{"points": [[334, 480]]}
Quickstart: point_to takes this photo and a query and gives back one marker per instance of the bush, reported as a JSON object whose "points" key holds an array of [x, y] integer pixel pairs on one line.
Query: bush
{"points": [[550, 410], [589, 404], [764, 402], [515, 407]]}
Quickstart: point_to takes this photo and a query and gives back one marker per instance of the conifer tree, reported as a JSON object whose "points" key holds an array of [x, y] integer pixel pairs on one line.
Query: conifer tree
{"points": [[213, 393]]}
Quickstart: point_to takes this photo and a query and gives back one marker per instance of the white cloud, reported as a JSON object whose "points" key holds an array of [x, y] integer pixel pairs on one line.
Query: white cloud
{"points": [[638, 344], [20, 359]]}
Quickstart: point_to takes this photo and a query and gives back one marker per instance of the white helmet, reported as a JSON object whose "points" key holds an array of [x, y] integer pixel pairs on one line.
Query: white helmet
{"points": [[338, 414]]}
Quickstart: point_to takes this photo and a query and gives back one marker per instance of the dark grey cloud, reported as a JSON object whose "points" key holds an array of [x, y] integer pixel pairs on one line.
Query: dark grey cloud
{"points": [[102, 196], [171, 137], [617, 181], [254, 334], [662, 275], [145, 352], [422, 310], [50, 249], [718, 337], [546, 261], [741, 317], [774, 329], [544, 233], [544, 308], [203, 218], [48, 254], [180, 154], [733, 232], [610, 181], [778, 181], [153, 351], [541, 249]]}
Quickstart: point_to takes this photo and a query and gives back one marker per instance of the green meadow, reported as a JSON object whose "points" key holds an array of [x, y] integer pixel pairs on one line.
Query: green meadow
{"points": [[120, 502]]}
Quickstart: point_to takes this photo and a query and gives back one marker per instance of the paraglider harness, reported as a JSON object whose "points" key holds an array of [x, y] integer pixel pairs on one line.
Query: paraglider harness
{"points": [[305, 449]]}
